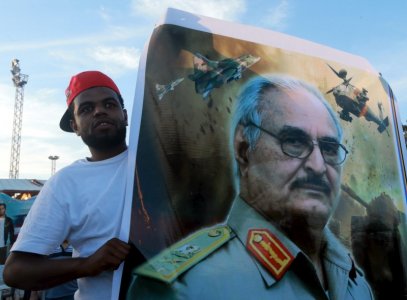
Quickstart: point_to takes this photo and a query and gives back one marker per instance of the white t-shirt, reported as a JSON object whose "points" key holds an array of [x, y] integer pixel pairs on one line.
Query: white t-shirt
{"points": [[82, 203]]}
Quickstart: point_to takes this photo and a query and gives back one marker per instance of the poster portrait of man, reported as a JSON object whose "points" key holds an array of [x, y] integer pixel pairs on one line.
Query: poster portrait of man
{"points": [[264, 166]]}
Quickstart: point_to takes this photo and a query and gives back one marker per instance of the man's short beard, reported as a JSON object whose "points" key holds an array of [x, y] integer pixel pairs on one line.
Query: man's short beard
{"points": [[106, 142]]}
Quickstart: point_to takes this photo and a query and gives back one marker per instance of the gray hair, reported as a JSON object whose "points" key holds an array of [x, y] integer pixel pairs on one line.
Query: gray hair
{"points": [[248, 103]]}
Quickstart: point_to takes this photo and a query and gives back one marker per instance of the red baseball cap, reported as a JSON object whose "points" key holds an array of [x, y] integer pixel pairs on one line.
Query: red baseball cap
{"points": [[79, 83]]}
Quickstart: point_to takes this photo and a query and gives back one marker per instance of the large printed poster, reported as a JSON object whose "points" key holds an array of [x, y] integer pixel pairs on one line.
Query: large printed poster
{"points": [[262, 165]]}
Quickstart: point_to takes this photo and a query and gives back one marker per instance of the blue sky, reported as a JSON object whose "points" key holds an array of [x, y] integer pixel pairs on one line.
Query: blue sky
{"points": [[56, 39]]}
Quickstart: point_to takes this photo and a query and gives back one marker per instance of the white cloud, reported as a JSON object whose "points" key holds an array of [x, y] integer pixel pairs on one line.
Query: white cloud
{"points": [[6, 116], [41, 112], [276, 17], [103, 13], [6, 100], [36, 145], [112, 60], [34, 162], [39, 135], [123, 57], [400, 84], [388, 61], [222, 9], [113, 34]]}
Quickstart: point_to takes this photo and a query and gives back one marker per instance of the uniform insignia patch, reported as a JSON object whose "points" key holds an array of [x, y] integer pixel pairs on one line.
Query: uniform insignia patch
{"points": [[181, 256], [269, 251], [186, 251]]}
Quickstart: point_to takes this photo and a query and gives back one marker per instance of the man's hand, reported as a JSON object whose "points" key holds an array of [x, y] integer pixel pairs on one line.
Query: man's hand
{"points": [[29, 271], [106, 258]]}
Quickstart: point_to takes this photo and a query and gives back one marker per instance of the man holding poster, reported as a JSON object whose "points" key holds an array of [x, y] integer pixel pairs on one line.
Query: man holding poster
{"points": [[82, 203], [287, 145]]}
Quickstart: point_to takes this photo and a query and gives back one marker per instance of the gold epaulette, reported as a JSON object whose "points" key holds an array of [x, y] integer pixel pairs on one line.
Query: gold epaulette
{"points": [[183, 255]]}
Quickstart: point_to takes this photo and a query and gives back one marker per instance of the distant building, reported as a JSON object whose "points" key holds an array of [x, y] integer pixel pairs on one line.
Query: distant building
{"points": [[21, 189]]}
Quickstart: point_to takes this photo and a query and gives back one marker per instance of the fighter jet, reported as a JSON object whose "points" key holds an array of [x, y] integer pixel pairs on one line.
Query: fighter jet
{"points": [[163, 89], [210, 74], [353, 100]]}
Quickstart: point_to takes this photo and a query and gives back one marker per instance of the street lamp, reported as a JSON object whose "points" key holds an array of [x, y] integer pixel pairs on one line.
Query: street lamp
{"points": [[53, 159]]}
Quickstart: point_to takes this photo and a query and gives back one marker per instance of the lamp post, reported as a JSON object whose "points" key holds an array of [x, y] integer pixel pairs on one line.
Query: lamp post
{"points": [[53, 159]]}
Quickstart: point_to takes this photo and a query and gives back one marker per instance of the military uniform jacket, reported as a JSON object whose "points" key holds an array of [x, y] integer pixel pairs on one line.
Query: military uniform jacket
{"points": [[231, 271]]}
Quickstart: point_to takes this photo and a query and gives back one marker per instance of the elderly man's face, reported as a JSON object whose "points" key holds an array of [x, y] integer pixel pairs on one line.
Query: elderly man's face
{"points": [[286, 189]]}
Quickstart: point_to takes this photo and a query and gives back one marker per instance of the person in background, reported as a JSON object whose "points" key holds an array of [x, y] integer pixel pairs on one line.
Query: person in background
{"points": [[7, 239]]}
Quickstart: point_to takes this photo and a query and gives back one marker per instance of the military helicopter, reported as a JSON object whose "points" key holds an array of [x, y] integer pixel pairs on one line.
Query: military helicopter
{"points": [[352, 100], [209, 74]]}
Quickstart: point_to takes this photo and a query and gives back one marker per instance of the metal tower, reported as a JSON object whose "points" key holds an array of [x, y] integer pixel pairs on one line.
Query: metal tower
{"points": [[53, 159], [19, 80]]}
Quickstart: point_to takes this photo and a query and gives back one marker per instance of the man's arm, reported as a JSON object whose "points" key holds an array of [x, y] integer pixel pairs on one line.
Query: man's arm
{"points": [[29, 271]]}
